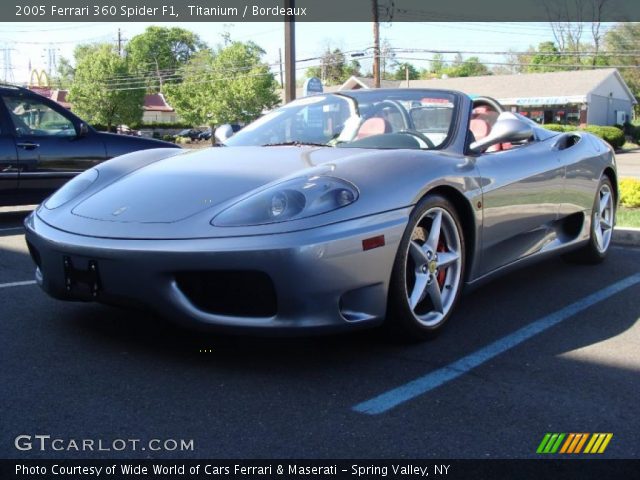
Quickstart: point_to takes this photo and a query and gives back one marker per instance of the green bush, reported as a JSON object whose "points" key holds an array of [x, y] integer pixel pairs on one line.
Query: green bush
{"points": [[168, 138], [150, 125], [630, 192], [633, 131], [556, 127], [612, 135]]}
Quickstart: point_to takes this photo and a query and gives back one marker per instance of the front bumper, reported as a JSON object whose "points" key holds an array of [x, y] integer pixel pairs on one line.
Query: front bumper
{"points": [[322, 277]]}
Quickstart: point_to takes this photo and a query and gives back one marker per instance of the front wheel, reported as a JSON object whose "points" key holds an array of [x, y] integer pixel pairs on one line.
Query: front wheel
{"points": [[602, 221], [428, 272]]}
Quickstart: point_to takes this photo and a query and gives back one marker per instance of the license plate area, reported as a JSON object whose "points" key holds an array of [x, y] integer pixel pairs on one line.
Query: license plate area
{"points": [[81, 276]]}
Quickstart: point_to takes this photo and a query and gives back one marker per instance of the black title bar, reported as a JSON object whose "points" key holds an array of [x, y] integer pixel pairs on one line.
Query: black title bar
{"points": [[325, 469], [316, 11]]}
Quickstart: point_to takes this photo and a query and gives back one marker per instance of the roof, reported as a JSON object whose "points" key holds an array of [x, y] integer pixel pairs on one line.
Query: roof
{"points": [[152, 102], [575, 83], [60, 96], [367, 82], [156, 102]]}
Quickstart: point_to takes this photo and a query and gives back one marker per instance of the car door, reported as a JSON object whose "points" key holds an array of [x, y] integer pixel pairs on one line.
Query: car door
{"points": [[8, 163], [51, 146], [523, 188]]}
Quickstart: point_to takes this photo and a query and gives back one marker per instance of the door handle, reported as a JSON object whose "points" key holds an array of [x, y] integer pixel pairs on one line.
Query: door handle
{"points": [[28, 145]]}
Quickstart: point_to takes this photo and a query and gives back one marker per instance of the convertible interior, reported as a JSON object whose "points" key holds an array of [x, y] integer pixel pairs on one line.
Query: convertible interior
{"points": [[393, 124], [421, 125]]}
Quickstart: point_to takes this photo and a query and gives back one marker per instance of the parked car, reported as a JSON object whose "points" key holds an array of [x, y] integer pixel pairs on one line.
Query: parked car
{"points": [[334, 211], [43, 145], [125, 130], [190, 133], [206, 134]]}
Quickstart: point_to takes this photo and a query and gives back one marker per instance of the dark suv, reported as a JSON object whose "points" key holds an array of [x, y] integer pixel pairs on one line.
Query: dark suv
{"points": [[42, 145]]}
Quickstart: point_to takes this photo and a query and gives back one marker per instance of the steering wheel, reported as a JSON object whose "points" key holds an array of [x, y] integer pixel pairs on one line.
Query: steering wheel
{"points": [[419, 136], [399, 108], [487, 102]]}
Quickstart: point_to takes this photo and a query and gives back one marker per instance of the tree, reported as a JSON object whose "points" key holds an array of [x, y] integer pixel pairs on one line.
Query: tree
{"points": [[568, 20], [229, 86], [622, 39], [438, 65], [387, 59], [471, 67], [401, 72], [313, 72], [353, 69], [97, 97], [159, 52], [333, 69], [546, 58], [64, 74]]}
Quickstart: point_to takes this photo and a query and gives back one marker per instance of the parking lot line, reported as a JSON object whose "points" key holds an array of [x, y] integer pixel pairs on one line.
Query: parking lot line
{"points": [[17, 284], [399, 395]]}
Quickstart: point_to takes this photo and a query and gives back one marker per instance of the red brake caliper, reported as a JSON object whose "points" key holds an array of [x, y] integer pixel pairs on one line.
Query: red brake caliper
{"points": [[442, 274]]}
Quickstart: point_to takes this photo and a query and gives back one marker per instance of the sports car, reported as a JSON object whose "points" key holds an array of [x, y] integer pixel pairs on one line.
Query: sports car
{"points": [[337, 210]]}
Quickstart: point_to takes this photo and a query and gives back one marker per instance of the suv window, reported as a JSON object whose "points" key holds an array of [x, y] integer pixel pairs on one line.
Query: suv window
{"points": [[32, 117]]}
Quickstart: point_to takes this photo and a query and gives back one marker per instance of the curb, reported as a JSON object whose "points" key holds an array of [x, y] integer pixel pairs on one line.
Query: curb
{"points": [[626, 236]]}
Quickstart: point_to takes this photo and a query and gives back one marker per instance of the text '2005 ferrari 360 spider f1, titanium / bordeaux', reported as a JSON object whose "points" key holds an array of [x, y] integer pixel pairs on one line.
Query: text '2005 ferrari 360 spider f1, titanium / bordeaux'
{"points": [[335, 210]]}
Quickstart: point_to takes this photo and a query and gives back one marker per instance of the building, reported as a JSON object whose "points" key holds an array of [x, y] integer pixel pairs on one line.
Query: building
{"points": [[157, 110], [597, 97]]}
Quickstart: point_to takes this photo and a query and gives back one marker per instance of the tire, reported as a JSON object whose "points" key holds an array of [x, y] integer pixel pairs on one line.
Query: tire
{"points": [[603, 217], [428, 271]]}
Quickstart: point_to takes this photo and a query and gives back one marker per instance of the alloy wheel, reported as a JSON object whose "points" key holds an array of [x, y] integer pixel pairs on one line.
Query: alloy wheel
{"points": [[603, 218], [433, 267]]}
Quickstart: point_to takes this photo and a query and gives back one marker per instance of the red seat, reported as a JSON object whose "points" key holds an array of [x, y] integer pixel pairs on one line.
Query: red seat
{"points": [[479, 127], [373, 126]]}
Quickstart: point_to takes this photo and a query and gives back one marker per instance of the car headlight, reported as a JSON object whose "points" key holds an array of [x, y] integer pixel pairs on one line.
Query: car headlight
{"points": [[72, 189], [290, 200]]}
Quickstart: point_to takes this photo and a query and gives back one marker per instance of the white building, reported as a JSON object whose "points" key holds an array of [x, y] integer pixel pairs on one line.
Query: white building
{"points": [[597, 97]]}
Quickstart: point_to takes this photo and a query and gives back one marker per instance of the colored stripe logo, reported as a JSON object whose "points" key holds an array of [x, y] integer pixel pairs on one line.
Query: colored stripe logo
{"points": [[596, 443]]}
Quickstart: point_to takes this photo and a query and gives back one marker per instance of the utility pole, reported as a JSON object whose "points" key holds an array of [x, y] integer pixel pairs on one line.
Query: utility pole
{"points": [[376, 44], [52, 62], [406, 74], [290, 53], [280, 65], [119, 43], [7, 66]]}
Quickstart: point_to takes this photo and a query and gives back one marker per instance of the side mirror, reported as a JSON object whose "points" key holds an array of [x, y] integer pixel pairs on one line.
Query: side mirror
{"points": [[83, 130], [223, 133], [508, 128]]}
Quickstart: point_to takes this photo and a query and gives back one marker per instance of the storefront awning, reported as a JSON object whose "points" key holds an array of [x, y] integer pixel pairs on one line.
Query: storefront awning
{"points": [[539, 101]]}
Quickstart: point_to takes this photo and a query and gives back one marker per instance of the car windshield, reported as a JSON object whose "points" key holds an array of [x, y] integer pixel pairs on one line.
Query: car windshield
{"points": [[368, 119]]}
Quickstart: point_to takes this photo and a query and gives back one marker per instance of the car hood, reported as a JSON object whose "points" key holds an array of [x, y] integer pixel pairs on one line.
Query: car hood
{"points": [[176, 196], [183, 185]]}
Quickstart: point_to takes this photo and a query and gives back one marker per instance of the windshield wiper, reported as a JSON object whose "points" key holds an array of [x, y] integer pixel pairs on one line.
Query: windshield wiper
{"points": [[295, 144]]}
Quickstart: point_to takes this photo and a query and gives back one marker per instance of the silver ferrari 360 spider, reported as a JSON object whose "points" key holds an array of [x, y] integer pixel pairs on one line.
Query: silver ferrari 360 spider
{"points": [[335, 210]]}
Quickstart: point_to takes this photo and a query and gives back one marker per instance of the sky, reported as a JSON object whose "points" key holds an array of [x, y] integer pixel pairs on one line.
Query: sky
{"points": [[29, 43]]}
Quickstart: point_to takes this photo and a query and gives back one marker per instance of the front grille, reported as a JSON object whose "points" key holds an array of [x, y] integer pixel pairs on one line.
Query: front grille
{"points": [[232, 293]]}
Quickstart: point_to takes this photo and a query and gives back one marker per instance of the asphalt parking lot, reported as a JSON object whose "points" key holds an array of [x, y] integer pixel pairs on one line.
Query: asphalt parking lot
{"points": [[73, 371]]}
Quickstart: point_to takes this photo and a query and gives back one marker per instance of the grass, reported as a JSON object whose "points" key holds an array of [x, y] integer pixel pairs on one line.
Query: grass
{"points": [[628, 217]]}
